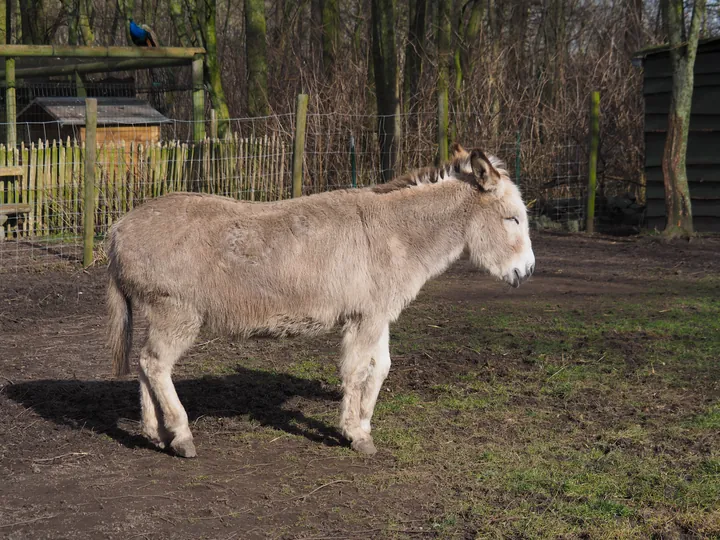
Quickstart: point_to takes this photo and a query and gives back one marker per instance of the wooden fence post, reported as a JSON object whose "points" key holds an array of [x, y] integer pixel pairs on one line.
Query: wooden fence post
{"points": [[10, 110], [353, 166], [198, 98], [518, 170], [443, 122], [592, 165], [89, 193], [299, 146], [213, 124]]}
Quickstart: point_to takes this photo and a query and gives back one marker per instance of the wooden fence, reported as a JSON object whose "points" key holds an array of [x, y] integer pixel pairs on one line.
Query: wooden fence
{"points": [[253, 168]]}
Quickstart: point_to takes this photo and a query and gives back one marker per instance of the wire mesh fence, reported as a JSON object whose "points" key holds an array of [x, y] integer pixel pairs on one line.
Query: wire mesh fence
{"points": [[41, 202]]}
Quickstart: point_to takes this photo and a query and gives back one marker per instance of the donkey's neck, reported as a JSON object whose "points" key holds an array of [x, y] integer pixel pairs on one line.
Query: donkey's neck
{"points": [[424, 228]]}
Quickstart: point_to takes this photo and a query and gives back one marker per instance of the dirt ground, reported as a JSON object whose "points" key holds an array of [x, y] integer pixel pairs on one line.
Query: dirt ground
{"points": [[270, 462]]}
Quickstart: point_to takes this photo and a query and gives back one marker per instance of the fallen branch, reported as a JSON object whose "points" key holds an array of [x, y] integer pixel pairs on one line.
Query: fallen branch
{"points": [[28, 521], [80, 454], [303, 497]]}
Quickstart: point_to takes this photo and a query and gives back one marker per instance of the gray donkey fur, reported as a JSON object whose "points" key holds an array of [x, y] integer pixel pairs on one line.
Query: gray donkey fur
{"points": [[353, 258]]}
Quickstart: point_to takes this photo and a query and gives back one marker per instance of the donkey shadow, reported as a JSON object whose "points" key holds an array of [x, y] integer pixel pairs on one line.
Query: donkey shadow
{"points": [[259, 395]]}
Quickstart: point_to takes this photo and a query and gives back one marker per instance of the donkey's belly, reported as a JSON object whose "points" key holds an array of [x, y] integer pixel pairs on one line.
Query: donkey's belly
{"points": [[285, 325]]}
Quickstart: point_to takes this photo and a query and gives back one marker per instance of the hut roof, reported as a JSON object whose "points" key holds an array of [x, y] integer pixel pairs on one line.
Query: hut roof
{"points": [[69, 111]]}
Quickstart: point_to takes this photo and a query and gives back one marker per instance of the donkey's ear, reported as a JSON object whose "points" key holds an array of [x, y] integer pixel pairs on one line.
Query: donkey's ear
{"points": [[457, 151], [485, 174]]}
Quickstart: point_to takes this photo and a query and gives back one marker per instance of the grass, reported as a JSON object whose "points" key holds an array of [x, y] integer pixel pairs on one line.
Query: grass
{"points": [[601, 421], [593, 419]]}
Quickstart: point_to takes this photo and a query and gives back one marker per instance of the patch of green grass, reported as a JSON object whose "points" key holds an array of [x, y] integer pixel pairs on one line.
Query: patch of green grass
{"points": [[395, 403], [315, 369], [709, 420]]}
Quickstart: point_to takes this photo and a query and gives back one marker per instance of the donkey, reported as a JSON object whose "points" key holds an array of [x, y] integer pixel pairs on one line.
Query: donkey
{"points": [[351, 258]]}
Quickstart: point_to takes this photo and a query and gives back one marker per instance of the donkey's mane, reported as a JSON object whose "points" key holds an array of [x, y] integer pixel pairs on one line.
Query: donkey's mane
{"points": [[433, 175]]}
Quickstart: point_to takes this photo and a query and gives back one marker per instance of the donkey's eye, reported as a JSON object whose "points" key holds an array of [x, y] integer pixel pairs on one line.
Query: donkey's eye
{"points": [[516, 220]]}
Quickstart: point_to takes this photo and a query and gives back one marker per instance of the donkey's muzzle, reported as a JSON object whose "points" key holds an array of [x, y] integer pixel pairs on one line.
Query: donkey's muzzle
{"points": [[518, 277]]}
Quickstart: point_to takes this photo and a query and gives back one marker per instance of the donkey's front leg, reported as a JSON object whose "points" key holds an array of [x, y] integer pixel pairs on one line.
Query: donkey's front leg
{"points": [[359, 343], [377, 373]]}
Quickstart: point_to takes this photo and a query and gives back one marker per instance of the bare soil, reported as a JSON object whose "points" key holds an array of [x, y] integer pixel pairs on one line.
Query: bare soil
{"points": [[271, 463]]}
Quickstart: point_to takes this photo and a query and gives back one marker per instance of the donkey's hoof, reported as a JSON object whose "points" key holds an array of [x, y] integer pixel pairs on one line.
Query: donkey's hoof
{"points": [[160, 444], [364, 446], [184, 448]]}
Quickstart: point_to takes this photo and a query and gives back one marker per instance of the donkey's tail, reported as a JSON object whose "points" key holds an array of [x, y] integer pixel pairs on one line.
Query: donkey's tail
{"points": [[120, 327]]}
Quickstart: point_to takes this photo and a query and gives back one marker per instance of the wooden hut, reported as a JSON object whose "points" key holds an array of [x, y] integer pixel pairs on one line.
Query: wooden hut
{"points": [[118, 119], [703, 153]]}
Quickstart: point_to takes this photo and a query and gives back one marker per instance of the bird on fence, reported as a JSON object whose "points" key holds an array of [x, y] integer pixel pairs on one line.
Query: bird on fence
{"points": [[143, 35]]}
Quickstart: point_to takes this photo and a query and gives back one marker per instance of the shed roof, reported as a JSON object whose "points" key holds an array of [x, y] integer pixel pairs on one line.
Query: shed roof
{"points": [[70, 111], [704, 45]]}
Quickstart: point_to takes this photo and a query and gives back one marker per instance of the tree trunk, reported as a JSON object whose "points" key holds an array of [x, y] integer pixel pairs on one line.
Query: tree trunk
{"points": [[444, 30], [212, 72], [176, 14], [414, 53], [682, 58], [32, 13], [494, 31], [86, 9], [633, 26], [256, 58], [330, 34], [467, 32], [126, 8], [386, 83], [555, 44], [519, 28]]}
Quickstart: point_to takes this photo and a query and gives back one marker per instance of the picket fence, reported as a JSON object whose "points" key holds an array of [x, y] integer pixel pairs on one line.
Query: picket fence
{"points": [[254, 168]]}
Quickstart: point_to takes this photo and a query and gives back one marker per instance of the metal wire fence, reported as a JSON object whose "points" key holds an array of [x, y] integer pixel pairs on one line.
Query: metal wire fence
{"points": [[41, 203]]}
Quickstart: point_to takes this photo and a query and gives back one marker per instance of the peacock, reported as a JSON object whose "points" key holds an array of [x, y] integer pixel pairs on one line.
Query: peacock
{"points": [[143, 35]]}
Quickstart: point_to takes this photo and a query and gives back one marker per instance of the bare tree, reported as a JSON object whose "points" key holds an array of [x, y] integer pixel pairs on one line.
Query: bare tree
{"points": [[386, 82], [256, 57], [683, 48]]}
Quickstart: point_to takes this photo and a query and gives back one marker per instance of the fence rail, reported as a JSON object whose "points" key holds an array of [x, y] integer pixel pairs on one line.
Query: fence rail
{"points": [[52, 179]]}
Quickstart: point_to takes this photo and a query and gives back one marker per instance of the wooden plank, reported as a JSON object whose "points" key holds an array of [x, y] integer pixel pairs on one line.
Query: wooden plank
{"points": [[62, 200], [31, 189], [77, 182], [198, 99], [299, 147], [69, 194], [12, 171], [54, 190], [657, 122], [700, 208], [16, 208], [705, 100], [25, 156], [75, 51], [98, 67], [698, 191], [89, 188], [702, 148]]}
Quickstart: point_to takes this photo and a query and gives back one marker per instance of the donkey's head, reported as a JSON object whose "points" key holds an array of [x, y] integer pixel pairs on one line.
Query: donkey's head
{"points": [[497, 235]]}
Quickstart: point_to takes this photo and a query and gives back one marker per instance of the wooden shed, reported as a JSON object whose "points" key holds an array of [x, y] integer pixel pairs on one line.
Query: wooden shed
{"points": [[703, 152], [118, 119]]}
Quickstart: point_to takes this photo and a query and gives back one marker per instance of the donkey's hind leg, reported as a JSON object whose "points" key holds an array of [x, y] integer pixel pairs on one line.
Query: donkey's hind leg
{"points": [[377, 372], [152, 417], [172, 330], [359, 343]]}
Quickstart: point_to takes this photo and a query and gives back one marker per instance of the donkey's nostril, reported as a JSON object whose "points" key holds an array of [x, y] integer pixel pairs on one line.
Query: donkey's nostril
{"points": [[531, 269], [517, 279]]}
